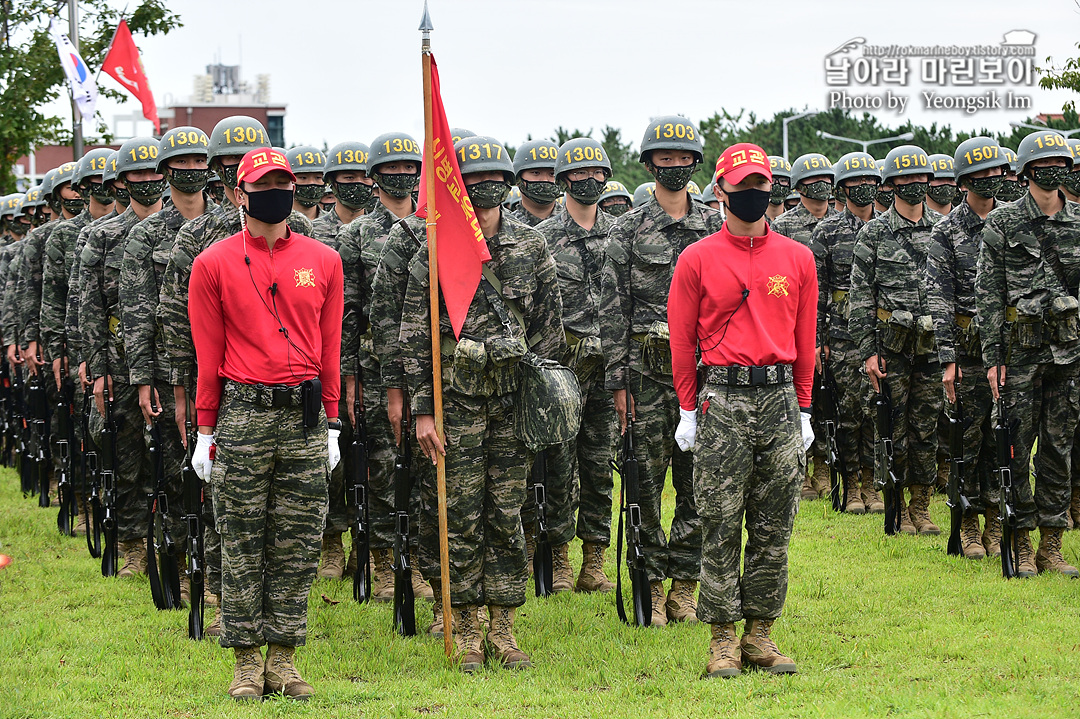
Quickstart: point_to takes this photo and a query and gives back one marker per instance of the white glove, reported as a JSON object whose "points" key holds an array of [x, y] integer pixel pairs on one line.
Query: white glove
{"points": [[333, 446], [200, 458], [807, 431], [686, 432]]}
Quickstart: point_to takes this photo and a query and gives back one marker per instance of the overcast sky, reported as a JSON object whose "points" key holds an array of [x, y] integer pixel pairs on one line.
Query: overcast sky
{"points": [[350, 69]]}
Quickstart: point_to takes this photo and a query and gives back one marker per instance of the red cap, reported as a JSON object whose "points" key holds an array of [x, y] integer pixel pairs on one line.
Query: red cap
{"points": [[740, 160], [257, 163]]}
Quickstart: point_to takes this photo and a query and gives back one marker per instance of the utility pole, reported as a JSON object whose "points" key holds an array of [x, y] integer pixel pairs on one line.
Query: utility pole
{"points": [[76, 116]]}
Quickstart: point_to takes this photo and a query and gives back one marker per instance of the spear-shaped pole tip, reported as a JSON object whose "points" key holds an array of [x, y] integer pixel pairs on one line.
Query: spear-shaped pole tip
{"points": [[425, 21]]}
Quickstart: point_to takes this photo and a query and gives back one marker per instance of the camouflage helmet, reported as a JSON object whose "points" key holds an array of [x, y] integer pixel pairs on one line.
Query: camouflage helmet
{"points": [[671, 132], [694, 190], [64, 173], [17, 204], [614, 188], [306, 158], [138, 153], [7, 203], [33, 197], [1011, 159], [234, 136], [906, 160], [812, 164], [581, 152], [1040, 145], [483, 154], [643, 192], [535, 154], [856, 164], [348, 155], [976, 154], [942, 167], [93, 163], [182, 141], [47, 181], [110, 167], [880, 164], [394, 147], [1074, 148], [779, 166], [457, 133]]}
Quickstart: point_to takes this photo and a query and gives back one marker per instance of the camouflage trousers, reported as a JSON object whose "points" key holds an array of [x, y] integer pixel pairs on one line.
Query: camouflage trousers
{"points": [[916, 405], [748, 467], [677, 555], [172, 452], [855, 435], [337, 516], [1045, 401], [579, 476], [979, 485], [486, 466], [427, 509], [134, 477], [269, 483]]}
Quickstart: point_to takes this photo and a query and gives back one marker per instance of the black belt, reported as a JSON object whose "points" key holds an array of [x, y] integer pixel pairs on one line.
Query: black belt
{"points": [[739, 376], [265, 395]]}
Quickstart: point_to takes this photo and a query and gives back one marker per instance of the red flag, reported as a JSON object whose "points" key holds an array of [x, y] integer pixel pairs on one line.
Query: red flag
{"points": [[124, 64], [461, 247]]}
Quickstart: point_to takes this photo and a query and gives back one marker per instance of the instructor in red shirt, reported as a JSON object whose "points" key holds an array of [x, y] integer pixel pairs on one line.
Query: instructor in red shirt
{"points": [[265, 308], [746, 299]]}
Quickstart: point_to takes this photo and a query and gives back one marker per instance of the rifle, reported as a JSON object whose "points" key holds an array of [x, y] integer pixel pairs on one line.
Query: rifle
{"points": [[828, 394], [7, 417], [884, 477], [22, 426], [404, 601], [91, 480], [1003, 433], [629, 507], [161, 566], [110, 555], [38, 405], [543, 561], [959, 505], [358, 500], [65, 490], [193, 507]]}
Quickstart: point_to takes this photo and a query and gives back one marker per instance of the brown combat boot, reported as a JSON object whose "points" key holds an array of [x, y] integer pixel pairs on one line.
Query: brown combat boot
{"points": [[870, 496], [659, 612], [420, 588], [382, 589], [591, 578], [1074, 508], [282, 676], [991, 536], [500, 638], [249, 674], [820, 480], [436, 628], [854, 504], [213, 629], [725, 659], [681, 605], [1048, 558], [468, 643], [906, 526], [919, 509], [134, 559], [350, 565], [80, 521], [332, 562], [970, 540], [1025, 555], [808, 493], [760, 650], [562, 576]]}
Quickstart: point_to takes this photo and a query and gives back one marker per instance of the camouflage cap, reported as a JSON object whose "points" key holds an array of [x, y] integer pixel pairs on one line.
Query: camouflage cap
{"points": [[976, 154], [535, 154], [856, 164], [643, 192], [614, 188], [306, 158], [348, 155], [1041, 145], [179, 141], [93, 163], [671, 132], [906, 160], [812, 164], [942, 167]]}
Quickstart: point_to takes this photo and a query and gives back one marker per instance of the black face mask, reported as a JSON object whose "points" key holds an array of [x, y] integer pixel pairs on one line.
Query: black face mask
{"points": [[674, 178], [354, 195], [885, 197], [188, 181], [987, 187], [270, 206], [121, 194], [1071, 182], [748, 205], [541, 192], [327, 206], [820, 190], [586, 191], [227, 173], [488, 194], [942, 194], [861, 195], [20, 226], [146, 192], [100, 193], [399, 186], [309, 195], [1010, 191], [217, 193], [1047, 178], [779, 193], [912, 193], [616, 209], [74, 207]]}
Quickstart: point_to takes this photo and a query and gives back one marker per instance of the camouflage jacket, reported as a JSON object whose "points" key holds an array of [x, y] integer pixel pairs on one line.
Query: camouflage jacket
{"points": [[56, 267], [885, 275], [28, 283], [578, 256], [146, 254], [327, 229], [639, 260], [798, 224], [1018, 278], [388, 296], [522, 215], [950, 283], [833, 242], [172, 312], [73, 336], [9, 270], [521, 260]]}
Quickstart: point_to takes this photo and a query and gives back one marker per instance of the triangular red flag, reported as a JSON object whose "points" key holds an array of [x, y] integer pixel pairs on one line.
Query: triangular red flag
{"points": [[125, 65], [461, 247]]}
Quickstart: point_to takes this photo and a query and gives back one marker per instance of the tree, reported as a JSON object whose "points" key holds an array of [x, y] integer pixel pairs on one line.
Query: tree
{"points": [[31, 75]]}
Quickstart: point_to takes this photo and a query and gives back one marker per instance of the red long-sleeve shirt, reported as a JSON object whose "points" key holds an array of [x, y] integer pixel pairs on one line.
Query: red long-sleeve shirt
{"points": [[232, 310], [775, 325]]}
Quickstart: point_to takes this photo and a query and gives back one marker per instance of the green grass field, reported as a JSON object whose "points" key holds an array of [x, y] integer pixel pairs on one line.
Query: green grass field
{"points": [[879, 627]]}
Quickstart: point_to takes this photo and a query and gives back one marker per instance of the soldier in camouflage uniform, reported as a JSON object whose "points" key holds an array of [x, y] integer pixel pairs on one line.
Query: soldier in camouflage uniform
{"points": [[19, 226], [639, 258], [884, 199], [486, 465], [781, 186], [534, 171], [812, 178], [891, 324], [1025, 292], [578, 474], [308, 162], [833, 242], [616, 199], [943, 192]]}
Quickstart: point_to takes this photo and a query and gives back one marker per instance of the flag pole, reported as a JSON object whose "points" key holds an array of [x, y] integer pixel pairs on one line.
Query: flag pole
{"points": [[76, 120], [436, 335]]}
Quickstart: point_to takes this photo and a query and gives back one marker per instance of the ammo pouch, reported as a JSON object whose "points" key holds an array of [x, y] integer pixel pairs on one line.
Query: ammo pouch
{"points": [[656, 348], [504, 354], [468, 367], [898, 329], [1063, 319], [547, 406], [1027, 324], [584, 356], [116, 330], [967, 336], [924, 335]]}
